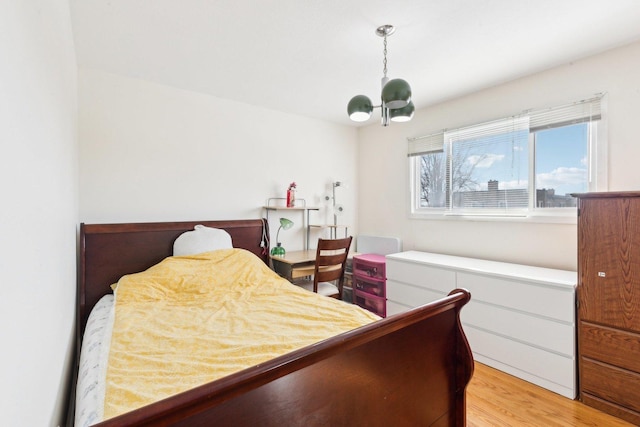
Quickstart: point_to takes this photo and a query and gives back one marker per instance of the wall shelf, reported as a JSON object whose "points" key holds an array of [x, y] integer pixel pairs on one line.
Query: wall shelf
{"points": [[279, 204], [333, 229]]}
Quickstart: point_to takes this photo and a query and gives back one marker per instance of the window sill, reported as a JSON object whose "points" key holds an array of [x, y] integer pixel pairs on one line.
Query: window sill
{"points": [[543, 218]]}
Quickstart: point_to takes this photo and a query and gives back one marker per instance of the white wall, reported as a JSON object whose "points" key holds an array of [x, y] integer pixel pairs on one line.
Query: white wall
{"points": [[39, 215], [383, 202], [150, 152]]}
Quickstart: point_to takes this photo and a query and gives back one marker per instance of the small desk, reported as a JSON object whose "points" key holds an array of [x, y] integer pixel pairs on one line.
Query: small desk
{"points": [[295, 264]]}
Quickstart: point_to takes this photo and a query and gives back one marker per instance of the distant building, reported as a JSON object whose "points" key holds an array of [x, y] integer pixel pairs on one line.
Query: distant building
{"points": [[547, 198], [493, 197]]}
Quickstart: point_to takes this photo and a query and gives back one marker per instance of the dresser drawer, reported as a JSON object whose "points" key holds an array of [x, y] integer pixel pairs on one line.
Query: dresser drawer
{"points": [[424, 276], [611, 408], [411, 296], [610, 383], [372, 303], [538, 332], [612, 346], [543, 300], [370, 265], [547, 369], [369, 285], [396, 308]]}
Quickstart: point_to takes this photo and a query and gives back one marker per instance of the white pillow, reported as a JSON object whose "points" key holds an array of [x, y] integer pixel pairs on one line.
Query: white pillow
{"points": [[201, 239]]}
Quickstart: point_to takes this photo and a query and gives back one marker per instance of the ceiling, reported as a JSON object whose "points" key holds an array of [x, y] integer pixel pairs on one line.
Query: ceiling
{"points": [[309, 57]]}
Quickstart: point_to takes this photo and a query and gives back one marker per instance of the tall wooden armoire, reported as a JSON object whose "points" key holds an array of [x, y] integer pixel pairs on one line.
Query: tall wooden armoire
{"points": [[609, 302]]}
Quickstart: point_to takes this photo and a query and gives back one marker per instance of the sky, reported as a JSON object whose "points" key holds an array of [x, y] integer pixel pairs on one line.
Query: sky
{"points": [[561, 155], [561, 159]]}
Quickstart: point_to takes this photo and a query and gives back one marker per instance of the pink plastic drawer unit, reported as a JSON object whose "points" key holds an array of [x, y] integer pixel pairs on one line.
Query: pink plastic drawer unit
{"points": [[377, 305], [370, 283], [372, 265]]}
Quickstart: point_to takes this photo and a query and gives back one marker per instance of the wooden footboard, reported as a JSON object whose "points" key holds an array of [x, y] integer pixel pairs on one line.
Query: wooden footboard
{"points": [[406, 370]]}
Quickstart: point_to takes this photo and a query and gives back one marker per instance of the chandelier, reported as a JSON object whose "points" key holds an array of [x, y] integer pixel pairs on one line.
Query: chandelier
{"points": [[396, 94]]}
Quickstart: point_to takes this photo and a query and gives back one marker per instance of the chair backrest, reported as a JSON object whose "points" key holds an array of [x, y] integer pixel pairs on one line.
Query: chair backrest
{"points": [[331, 262]]}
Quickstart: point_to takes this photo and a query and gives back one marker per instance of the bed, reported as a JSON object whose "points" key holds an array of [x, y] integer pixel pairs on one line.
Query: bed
{"points": [[409, 369]]}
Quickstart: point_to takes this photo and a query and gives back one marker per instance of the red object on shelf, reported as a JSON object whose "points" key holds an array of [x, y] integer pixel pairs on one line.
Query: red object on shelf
{"points": [[291, 197]]}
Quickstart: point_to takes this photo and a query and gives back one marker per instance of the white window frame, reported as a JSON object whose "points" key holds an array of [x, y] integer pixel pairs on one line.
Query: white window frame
{"points": [[597, 148]]}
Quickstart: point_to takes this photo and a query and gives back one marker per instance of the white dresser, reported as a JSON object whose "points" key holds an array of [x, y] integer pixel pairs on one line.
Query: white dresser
{"points": [[521, 319]]}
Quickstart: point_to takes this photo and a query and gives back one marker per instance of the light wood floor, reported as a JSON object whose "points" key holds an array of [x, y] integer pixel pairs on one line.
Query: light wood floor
{"points": [[497, 399]]}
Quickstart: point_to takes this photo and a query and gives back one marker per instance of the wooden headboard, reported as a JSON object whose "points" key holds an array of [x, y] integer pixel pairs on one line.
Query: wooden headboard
{"points": [[109, 251]]}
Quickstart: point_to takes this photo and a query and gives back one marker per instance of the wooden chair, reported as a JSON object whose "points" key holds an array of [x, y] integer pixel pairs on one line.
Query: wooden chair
{"points": [[331, 262]]}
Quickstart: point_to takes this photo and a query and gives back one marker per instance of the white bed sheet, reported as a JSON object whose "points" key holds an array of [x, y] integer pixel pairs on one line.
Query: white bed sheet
{"points": [[90, 389]]}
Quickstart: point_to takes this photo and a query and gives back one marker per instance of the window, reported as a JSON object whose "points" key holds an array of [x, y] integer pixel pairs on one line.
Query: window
{"points": [[525, 165], [560, 164]]}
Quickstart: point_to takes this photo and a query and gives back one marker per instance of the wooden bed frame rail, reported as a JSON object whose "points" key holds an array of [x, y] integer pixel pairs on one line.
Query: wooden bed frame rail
{"points": [[406, 370]]}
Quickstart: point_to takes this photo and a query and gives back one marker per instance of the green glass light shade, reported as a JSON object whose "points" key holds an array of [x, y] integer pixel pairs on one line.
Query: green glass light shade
{"points": [[396, 94], [360, 108], [286, 223], [403, 114]]}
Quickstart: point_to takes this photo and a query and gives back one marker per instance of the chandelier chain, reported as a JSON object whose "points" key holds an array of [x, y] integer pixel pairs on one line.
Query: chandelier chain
{"points": [[384, 69]]}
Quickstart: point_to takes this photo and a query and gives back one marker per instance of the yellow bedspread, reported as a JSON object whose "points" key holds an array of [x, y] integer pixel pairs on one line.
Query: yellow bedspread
{"points": [[193, 319]]}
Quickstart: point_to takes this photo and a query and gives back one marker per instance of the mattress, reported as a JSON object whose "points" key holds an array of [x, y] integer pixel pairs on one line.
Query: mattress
{"points": [[194, 319], [94, 354]]}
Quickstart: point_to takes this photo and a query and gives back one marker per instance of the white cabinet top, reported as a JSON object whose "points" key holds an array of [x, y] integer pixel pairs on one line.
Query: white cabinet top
{"points": [[549, 276]]}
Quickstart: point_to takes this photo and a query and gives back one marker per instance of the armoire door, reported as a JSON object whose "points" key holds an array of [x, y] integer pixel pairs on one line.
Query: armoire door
{"points": [[609, 261]]}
